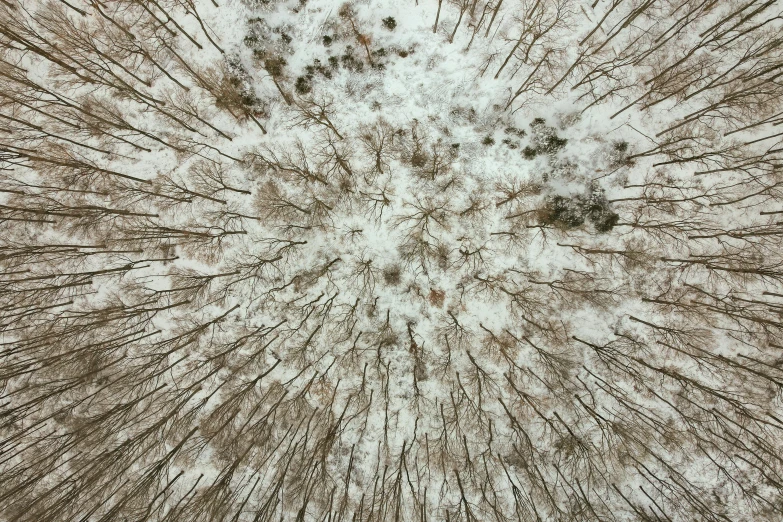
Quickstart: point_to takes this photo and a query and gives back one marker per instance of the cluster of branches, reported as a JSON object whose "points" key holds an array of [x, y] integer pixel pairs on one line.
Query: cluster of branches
{"points": [[715, 66], [217, 341]]}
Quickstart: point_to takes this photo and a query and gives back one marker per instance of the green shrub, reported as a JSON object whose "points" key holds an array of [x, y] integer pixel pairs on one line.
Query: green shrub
{"points": [[572, 212], [303, 85], [553, 144], [604, 221], [564, 212], [544, 139]]}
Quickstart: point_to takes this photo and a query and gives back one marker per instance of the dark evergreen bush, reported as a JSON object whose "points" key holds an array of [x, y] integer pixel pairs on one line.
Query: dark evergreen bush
{"points": [[544, 139], [515, 131], [303, 85], [572, 212], [604, 220], [565, 212], [553, 144]]}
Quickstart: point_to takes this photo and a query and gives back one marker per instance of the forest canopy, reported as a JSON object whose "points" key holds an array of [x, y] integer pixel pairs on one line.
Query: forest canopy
{"points": [[399, 260]]}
